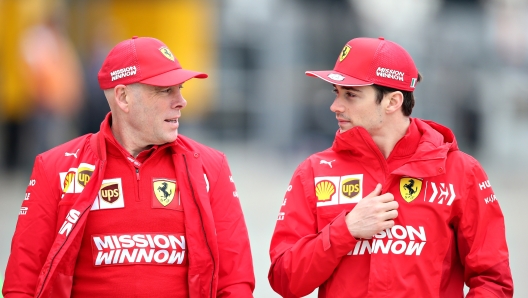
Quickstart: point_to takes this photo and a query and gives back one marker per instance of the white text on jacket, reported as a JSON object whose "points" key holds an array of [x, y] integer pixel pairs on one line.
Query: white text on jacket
{"points": [[123, 249], [396, 240]]}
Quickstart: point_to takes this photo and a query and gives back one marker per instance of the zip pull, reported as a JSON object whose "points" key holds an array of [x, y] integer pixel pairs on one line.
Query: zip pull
{"points": [[137, 173]]}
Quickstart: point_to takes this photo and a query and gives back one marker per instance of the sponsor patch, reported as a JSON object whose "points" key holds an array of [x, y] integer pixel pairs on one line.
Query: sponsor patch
{"points": [[75, 179], [71, 219], [139, 248], [410, 188], [167, 53], [390, 74], [23, 210], [442, 193], [166, 194], [110, 195], [344, 53], [334, 190], [413, 82], [336, 77], [324, 190], [485, 184], [492, 198], [123, 73], [398, 240], [350, 187]]}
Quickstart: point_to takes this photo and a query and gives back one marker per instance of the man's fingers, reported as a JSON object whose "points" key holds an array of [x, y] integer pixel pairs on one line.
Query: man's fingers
{"points": [[389, 215], [376, 192]]}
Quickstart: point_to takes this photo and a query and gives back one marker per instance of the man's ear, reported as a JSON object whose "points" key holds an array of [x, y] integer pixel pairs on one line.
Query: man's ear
{"points": [[395, 102], [121, 97]]}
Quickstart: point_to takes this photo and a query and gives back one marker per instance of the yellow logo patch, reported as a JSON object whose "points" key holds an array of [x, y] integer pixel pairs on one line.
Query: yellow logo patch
{"points": [[410, 188], [83, 176], [164, 191], [68, 181], [167, 53], [344, 53], [324, 190], [350, 187]]}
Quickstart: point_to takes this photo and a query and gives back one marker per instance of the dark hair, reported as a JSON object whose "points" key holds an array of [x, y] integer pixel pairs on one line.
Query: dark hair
{"points": [[408, 96]]}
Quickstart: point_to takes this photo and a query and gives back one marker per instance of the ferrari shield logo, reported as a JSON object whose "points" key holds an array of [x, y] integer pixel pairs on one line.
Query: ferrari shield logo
{"points": [[167, 53], [344, 53], [410, 188], [164, 191]]}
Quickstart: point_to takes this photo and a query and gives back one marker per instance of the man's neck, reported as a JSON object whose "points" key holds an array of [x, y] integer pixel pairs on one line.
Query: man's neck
{"points": [[390, 134], [123, 138]]}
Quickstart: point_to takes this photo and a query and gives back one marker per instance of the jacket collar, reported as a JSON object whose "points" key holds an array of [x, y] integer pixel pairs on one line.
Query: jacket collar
{"points": [[100, 139], [425, 142]]}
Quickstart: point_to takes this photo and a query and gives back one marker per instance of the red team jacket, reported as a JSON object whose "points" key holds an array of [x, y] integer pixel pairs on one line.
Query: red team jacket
{"points": [[48, 234], [449, 230]]}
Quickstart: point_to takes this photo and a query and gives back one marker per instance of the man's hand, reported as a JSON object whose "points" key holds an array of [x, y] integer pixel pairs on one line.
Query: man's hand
{"points": [[373, 214]]}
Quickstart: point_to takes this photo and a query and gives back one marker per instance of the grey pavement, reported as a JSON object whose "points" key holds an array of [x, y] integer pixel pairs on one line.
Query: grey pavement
{"points": [[262, 177]]}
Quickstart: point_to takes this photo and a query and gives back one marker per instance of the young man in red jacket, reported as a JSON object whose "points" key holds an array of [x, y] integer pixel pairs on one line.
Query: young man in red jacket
{"points": [[135, 210], [393, 208]]}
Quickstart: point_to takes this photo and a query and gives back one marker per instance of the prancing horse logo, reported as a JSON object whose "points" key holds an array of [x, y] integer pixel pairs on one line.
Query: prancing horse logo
{"points": [[164, 191], [410, 188]]}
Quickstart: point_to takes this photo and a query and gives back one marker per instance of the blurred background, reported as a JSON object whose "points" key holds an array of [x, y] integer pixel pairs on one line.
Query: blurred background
{"points": [[257, 105]]}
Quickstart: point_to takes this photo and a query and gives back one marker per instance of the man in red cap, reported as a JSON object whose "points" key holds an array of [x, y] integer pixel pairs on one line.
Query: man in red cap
{"points": [[135, 210], [393, 208]]}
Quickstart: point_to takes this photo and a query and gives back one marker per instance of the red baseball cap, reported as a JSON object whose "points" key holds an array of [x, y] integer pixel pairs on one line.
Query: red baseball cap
{"points": [[143, 60], [366, 61]]}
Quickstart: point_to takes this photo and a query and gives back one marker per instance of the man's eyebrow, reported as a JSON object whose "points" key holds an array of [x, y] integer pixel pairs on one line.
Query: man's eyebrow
{"points": [[348, 88]]}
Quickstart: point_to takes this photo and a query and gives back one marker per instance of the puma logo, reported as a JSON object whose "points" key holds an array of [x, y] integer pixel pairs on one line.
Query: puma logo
{"points": [[72, 154], [329, 163]]}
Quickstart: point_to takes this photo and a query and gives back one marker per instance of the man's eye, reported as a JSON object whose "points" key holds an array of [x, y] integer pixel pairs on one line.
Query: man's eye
{"points": [[334, 91]]}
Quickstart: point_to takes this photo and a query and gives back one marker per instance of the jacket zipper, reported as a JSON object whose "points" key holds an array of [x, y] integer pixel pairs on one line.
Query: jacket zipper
{"points": [[201, 220]]}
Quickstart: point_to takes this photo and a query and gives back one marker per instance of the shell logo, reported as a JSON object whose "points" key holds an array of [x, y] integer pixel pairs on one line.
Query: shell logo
{"points": [[68, 181], [324, 190]]}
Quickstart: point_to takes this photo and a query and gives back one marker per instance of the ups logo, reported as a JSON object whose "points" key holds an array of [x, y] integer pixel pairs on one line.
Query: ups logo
{"points": [[110, 192], [350, 187], [84, 176]]}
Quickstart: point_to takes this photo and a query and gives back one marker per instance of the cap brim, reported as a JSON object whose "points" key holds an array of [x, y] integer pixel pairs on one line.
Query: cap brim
{"points": [[337, 78], [174, 77]]}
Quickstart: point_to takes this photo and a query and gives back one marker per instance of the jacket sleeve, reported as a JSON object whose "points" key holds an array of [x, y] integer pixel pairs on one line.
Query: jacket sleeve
{"points": [[235, 275], [482, 242], [34, 235], [302, 257]]}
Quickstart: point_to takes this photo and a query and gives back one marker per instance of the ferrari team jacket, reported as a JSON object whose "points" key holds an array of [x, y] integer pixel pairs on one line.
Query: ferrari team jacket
{"points": [[449, 230], [48, 234]]}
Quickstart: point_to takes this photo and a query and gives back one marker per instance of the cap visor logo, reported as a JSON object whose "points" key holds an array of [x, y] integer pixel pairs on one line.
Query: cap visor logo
{"points": [[167, 53], [336, 77]]}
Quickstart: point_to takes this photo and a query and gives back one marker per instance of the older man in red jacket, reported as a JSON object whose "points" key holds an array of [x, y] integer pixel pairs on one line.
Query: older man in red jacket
{"points": [[135, 210], [393, 208]]}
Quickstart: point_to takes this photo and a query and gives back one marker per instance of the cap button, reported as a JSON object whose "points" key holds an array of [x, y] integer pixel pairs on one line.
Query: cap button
{"points": [[134, 37], [381, 38]]}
